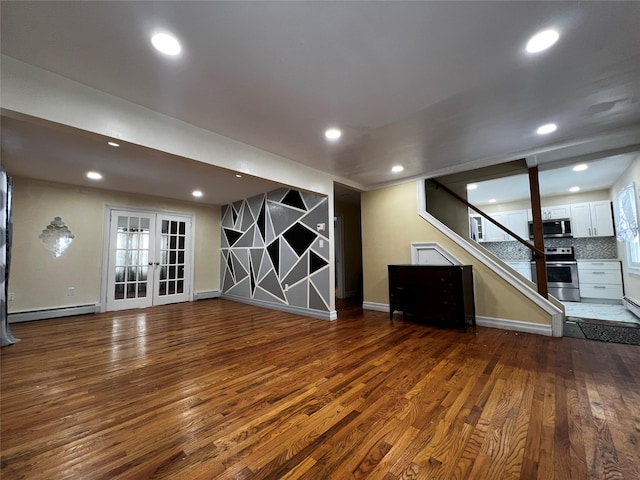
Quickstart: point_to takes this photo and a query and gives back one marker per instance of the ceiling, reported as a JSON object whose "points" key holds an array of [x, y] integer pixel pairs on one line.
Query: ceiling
{"points": [[601, 174], [432, 86]]}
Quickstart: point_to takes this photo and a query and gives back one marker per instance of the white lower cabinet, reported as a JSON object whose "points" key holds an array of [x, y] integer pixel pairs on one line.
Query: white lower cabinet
{"points": [[600, 279], [523, 268]]}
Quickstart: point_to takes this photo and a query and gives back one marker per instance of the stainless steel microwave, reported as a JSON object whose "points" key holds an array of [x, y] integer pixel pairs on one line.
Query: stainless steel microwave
{"points": [[560, 227]]}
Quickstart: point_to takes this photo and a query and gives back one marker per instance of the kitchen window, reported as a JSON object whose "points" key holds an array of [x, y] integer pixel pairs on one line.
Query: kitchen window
{"points": [[626, 216]]}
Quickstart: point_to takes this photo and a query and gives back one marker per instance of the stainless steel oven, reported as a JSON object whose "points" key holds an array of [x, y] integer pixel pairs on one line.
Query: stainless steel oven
{"points": [[562, 273]]}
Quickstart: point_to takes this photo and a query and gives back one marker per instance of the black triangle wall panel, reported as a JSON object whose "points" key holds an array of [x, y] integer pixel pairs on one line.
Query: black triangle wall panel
{"points": [[299, 237], [293, 199], [274, 253]]}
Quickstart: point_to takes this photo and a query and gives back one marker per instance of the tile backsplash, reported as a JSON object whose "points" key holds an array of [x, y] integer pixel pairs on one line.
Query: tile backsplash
{"points": [[585, 248]]}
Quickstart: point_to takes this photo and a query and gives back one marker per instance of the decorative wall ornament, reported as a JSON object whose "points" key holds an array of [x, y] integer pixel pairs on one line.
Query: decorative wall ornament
{"points": [[56, 237]]}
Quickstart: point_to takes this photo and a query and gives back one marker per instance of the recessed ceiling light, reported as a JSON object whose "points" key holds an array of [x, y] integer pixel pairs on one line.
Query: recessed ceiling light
{"points": [[574, 189], [332, 134], [397, 168], [548, 128], [580, 168], [113, 144], [492, 200], [196, 193], [542, 40], [166, 43], [472, 186], [94, 175], [238, 175]]}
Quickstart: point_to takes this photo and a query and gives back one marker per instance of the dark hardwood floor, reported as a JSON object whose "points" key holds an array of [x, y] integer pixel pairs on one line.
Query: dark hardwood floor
{"points": [[217, 389]]}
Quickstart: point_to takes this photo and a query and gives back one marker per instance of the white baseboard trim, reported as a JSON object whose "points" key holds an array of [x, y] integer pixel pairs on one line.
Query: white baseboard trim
{"points": [[514, 325], [503, 324], [378, 307], [307, 312], [48, 313], [206, 294]]}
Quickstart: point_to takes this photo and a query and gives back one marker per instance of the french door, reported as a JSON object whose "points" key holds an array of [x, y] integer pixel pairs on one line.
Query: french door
{"points": [[149, 259]]}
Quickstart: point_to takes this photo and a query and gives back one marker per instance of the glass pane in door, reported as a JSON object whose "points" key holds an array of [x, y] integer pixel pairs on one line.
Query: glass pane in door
{"points": [[172, 254], [131, 257]]}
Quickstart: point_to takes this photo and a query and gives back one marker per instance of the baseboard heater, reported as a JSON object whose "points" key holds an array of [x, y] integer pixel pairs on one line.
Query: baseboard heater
{"points": [[50, 313], [632, 305]]}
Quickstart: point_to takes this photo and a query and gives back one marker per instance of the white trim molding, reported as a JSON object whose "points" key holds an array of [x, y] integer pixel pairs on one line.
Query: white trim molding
{"points": [[556, 314], [378, 307], [501, 323], [307, 312], [514, 325], [434, 247]]}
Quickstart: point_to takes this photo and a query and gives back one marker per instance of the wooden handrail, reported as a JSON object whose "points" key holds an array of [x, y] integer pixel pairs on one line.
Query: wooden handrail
{"points": [[537, 253]]}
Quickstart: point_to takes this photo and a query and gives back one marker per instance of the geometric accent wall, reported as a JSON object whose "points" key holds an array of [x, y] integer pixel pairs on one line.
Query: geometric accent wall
{"points": [[272, 250]]}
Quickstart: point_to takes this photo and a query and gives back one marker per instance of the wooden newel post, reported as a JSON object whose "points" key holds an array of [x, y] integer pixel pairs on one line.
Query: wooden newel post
{"points": [[538, 234]]}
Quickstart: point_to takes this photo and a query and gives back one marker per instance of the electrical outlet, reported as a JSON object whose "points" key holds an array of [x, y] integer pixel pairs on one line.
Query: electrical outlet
{"points": [[321, 243], [286, 287], [321, 227], [71, 291], [12, 296]]}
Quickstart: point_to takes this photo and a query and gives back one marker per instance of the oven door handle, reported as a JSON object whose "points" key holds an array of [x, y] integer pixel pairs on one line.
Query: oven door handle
{"points": [[561, 264]]}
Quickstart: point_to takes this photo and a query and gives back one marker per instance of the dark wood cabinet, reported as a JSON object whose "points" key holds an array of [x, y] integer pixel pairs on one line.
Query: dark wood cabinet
{"points": [[439, 294]]}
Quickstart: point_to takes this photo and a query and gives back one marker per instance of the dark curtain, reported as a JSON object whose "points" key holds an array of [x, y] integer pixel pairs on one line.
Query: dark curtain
{"points": [[6, 223]]}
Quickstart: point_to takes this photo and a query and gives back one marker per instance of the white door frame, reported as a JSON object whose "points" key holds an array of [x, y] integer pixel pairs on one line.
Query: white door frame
{"points": [[338, 235], [108, 209]]}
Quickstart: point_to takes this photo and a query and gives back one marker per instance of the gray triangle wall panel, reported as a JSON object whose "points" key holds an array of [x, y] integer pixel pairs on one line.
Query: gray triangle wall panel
{"points": [[320, 279], [316, 216], [298, 294], [315, 300], [282, 217], [255, 203], [288, 258]]}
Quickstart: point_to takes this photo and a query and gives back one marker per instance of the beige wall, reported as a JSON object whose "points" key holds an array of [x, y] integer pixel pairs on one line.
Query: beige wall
{"points": [[352, 243], [38, 280], [390, 223], [631, 281]]}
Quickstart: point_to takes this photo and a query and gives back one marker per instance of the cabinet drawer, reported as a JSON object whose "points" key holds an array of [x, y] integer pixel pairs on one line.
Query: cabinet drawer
{"points": [[607, 277], [613, 292], [599, 266]]}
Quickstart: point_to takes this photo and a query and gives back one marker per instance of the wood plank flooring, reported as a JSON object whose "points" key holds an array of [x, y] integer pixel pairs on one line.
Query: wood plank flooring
{"points": [[220, 390]]}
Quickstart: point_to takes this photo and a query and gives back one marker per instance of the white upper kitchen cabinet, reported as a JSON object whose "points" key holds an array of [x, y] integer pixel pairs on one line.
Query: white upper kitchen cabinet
{"points": [[592, 219], [515, 220], [555, 212], [493, 233]]}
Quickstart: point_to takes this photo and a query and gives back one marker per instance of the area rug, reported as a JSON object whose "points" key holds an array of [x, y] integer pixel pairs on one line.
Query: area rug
{"points": [[610, 333]]}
